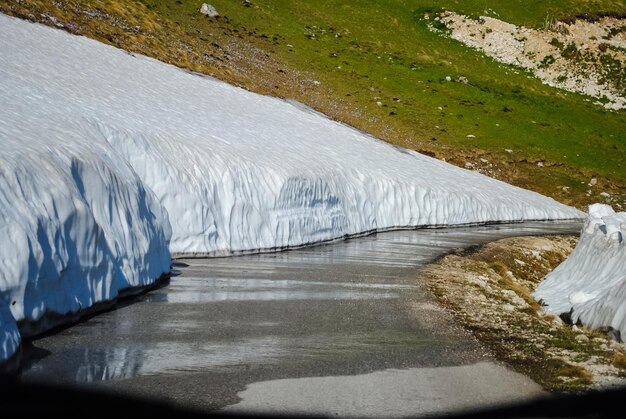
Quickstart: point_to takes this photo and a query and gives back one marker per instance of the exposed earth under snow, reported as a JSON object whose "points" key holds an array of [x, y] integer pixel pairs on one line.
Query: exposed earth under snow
{"points": [[103, 151]]}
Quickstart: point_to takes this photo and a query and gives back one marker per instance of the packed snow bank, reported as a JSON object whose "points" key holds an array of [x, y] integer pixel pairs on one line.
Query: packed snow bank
{"points": [[96, 141], [78, 225], [9, 336], [591, 283], [238, 171]]}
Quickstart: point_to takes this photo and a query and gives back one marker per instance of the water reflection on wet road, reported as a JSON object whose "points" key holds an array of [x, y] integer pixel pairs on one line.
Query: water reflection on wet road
{"points": [[351, 307]]}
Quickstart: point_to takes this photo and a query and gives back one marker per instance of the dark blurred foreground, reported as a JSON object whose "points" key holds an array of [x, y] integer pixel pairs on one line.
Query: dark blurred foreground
{"points": [[29, 400]]}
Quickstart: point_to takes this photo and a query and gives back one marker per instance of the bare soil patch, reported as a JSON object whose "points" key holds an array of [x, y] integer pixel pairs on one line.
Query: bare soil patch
{"points": [[489, 292], [581, 56]]}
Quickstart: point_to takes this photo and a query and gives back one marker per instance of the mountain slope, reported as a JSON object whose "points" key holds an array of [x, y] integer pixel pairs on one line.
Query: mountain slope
{"points": [[377, 66]]}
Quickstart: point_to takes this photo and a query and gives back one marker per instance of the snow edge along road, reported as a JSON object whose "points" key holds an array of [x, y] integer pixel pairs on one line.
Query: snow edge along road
{"points": [[103, 150]]}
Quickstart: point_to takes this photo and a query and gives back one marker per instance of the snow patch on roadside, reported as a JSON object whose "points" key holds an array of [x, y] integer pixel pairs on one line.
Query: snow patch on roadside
{"points": [[9, 335], [591, 283], [78, 225]]}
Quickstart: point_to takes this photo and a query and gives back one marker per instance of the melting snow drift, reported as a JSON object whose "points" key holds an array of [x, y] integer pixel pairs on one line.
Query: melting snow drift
{"points": [[591, 283], [102, 151]]}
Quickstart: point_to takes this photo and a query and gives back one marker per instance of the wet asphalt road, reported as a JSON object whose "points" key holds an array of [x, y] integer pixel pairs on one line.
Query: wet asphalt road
{"points": [[350, 308]]}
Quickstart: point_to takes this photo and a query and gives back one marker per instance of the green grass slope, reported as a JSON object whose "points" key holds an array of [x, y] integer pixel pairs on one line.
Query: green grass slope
{"points": [[376, 66]]}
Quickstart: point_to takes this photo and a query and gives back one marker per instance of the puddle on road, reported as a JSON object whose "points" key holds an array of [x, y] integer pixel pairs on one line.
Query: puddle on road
{"points": [[93, 364], [389, 393], [344, 308], [205, 290]]}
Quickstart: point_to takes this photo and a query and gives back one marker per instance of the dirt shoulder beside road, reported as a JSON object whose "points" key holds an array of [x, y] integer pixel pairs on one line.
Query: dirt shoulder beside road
{"points": [[489, 291]]}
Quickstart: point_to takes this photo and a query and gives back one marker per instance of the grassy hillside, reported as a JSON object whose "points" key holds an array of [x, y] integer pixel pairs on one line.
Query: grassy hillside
{"points": [[376, 66]]}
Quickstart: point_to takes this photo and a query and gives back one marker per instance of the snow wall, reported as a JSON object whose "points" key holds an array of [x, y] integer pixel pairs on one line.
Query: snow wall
{"points": [[99, 146], [591, 282], [77, 225]]}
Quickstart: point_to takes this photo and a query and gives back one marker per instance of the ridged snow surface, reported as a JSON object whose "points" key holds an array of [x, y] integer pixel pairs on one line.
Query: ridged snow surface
{"points": [[96, 142], [77, 224], [9, 335], [591, 282]]}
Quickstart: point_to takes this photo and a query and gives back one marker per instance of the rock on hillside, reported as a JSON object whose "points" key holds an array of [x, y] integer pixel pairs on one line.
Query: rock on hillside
{"points": [[582, 56]]}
